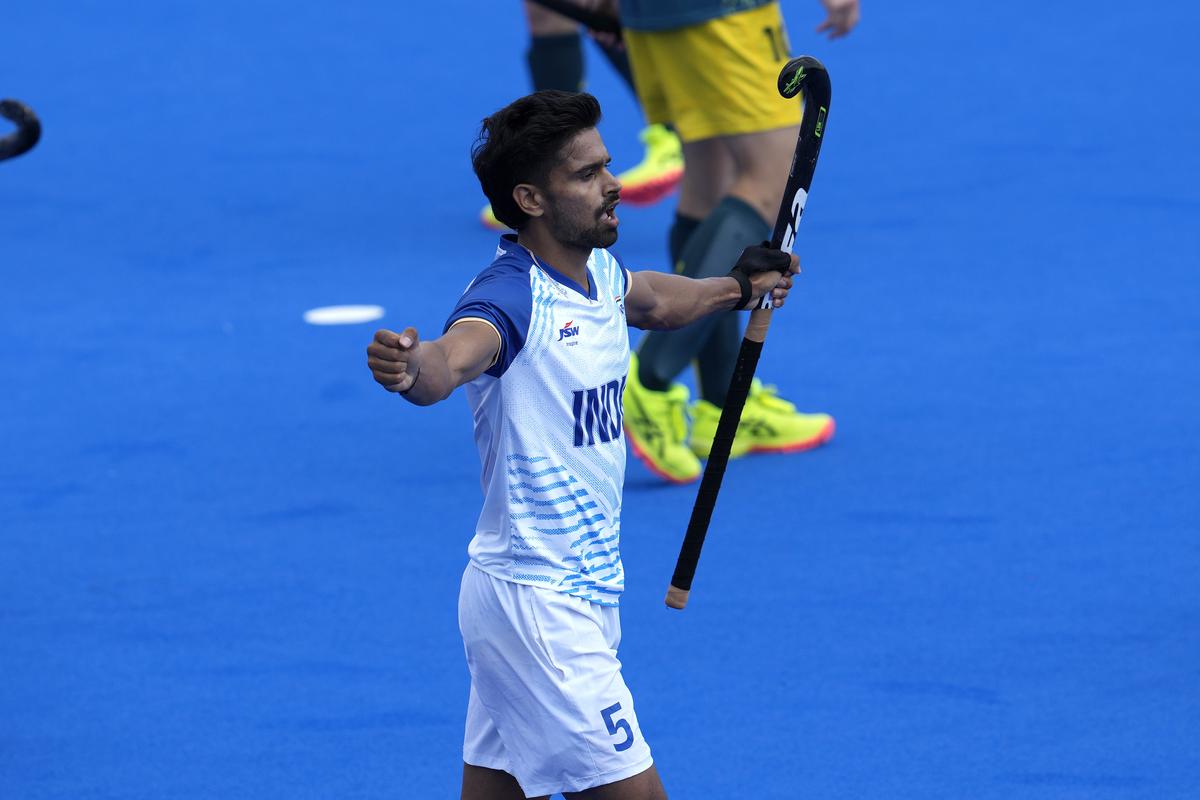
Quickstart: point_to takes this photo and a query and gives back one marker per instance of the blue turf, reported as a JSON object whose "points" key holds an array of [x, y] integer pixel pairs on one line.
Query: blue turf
{"points": [[230, 561]]}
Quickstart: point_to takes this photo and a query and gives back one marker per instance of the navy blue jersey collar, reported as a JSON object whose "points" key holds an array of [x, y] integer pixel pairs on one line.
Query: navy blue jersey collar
{"points": [[511, 239]]}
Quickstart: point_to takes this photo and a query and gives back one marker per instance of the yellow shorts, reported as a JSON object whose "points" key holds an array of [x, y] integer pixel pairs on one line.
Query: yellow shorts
{"points": [[717, 78]]}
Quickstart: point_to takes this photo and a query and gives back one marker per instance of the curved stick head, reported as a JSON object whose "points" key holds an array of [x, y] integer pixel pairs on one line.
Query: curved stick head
{"points": [[28, 131], [796, 73]]}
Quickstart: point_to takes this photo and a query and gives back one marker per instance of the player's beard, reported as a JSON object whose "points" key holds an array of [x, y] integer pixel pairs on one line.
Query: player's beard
{"points": [[584, 230]]}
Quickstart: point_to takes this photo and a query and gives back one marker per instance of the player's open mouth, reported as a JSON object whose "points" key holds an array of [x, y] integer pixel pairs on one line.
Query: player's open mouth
{"points": [[609, 214]]}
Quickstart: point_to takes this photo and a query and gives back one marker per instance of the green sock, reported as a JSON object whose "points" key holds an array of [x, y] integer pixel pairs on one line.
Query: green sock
{"points": [[710, 251], [677, 238], [681, 230]]}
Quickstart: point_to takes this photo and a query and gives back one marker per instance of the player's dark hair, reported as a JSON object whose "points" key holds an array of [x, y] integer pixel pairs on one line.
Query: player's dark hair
{"points": [[520, 143]]}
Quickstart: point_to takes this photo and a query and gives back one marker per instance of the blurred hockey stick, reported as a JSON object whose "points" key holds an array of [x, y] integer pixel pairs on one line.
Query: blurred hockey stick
{"points": [[596, 21]]}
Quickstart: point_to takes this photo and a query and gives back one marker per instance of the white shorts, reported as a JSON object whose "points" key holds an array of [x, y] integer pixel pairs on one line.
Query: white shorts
{"points": [[548, 704]]}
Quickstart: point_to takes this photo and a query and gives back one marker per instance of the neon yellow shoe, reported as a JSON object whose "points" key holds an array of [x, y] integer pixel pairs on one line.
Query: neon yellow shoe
{"points": [[489, 219], [660, 170], [769, 424], [656, 428], [705, 417]]}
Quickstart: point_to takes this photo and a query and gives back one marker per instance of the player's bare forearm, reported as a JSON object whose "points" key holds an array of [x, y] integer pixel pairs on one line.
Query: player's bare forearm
{"points": [[425, 373], [660, 301], [664, 302]]}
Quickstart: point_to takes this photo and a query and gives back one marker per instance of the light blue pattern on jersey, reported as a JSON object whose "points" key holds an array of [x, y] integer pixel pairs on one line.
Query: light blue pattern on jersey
{"points": [[591, 566], [552, 508]]}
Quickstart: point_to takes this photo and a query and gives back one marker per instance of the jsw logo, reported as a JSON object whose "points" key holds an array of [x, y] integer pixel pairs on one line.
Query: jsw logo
{"points": [[568, 330], [598, 413], [789, 236]]}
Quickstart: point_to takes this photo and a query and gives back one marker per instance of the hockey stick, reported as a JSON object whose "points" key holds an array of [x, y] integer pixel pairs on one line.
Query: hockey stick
{"points": [[586, 17], [28, 131], [805, 74]]}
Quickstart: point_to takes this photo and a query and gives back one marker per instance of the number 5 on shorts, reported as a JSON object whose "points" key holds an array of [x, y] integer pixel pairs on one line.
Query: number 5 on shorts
{"points": [[615, 727]]}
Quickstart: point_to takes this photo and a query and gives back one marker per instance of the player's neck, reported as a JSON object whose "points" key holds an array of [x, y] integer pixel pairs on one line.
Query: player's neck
{"points": [[570, 261]]}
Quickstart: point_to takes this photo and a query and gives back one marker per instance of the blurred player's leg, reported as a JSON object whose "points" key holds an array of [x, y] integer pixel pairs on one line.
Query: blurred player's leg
{"points": [[661, 167], [769, 423], [555, 54], [716, 80], [656, 422], [556, 61]]}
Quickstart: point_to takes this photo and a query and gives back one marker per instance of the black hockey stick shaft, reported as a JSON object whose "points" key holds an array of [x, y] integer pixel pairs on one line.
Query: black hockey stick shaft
{"points": [[593, 20], [28, 131], [805, 74]]}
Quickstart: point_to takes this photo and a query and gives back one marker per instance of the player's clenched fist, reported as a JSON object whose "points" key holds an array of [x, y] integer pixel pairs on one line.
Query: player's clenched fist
{"points": [[395, 359]]}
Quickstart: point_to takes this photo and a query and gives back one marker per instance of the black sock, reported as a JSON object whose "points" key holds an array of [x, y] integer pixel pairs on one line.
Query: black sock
{"points": [[710, 251], [556, 62]]}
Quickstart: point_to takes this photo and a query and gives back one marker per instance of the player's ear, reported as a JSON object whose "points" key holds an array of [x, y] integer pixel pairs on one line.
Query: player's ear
{"points": [[529, 199]]}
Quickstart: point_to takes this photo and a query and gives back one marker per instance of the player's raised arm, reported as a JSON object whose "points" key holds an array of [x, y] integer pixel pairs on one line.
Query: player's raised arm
{"points": [[660, 301], [425, 372]]}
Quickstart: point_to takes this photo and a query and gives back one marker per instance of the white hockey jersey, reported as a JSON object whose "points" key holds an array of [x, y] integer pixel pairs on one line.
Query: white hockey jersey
{"points": [[548, 423]]}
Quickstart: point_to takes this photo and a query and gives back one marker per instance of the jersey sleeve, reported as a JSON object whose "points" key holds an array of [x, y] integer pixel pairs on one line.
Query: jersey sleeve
{"points": [[504, 301]]}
